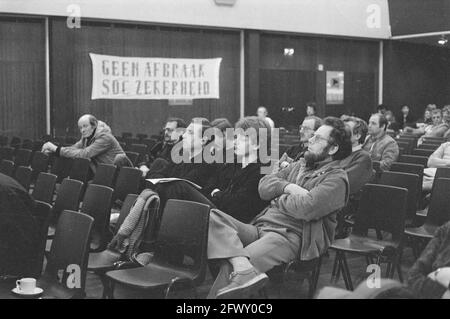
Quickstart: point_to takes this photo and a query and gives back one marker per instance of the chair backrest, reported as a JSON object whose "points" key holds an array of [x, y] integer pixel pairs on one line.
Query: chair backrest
{"points": [[6, 153], [403, 180], [133, 156], [7, 167], [382, 208], [61, 168], [80, 169], [182, 238], [127, 135], [105, 175], [97, 204], [125, 209], [141, 136], [404, 144], [42, 215], [27, 144], [68, 196], [127, 182], [44, 187], [22, 157], [414, 159], [428, 139], [70, 245], [15, 142], [430, 146], [422, 152], [150, 142], [39, 164], [23, 176], [439, 209]]}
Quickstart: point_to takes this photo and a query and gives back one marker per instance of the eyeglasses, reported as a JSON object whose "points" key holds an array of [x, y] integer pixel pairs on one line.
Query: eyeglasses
{"points": [[305, 128], [315, 138]]}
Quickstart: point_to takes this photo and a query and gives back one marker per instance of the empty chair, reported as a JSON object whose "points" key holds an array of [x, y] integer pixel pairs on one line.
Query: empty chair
{"points": [[3, 140], [414, 159], [133, 156], [429, 146], [127, 182], [80, 169], [408, 181], [7, 153], [44, 187], [181, 251], [105, 175], [39, 164], [37, 146], [422, 152], [415, 169], [382, 208], [22, 157], [61, 168], [68, 198], [41, 213], [27, 144], [70, 247], [23, 176], [438, 214], [15, 142], [97, 204], [101, 262], [7, 167], [141, 136], [126, 135]]}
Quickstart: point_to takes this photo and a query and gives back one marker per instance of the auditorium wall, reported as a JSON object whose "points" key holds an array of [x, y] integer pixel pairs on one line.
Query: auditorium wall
{"points": [[71, 73], [22, 77]]}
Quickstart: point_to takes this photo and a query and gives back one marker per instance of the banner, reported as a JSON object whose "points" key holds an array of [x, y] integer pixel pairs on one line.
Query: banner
{"points": [[116, 77]]}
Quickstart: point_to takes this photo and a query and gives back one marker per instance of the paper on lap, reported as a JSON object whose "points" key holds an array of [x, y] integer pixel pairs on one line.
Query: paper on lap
{"points": [[156, 181], [430, 171]]}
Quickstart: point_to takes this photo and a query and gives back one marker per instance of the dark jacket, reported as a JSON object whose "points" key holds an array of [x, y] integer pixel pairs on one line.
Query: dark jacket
{"points": [[435, 255], [358, 167], [240, 198], [297, 151], [409, 120], [19, 231]]}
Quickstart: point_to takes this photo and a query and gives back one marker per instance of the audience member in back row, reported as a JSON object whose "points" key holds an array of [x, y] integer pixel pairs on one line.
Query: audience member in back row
{"points": [[446, 116], [439, 158], [294, 153], [429, 277], [301, 216], [173, 131], [262, 114], [393, 126], [406, 118], [380, 146], [19, 231], [97, 144], [358, 164], [437, 129], [237, 195], [426, 120]]}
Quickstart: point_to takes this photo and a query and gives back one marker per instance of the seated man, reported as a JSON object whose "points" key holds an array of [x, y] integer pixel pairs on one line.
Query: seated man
{"points": [[380, 146], [173, 131], [439, 158], [262, 114], [429, 277], [300, 217], [97, 144], [19, 231], [294, 153], [358, 165], [446, 116]]}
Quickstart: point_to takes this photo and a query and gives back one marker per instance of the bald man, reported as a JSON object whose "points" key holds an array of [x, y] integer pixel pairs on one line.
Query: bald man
{"points": [[262, 114], [97, 144]]}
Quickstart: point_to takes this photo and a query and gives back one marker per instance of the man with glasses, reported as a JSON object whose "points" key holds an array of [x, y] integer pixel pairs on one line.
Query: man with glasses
{"points": [[300, 218], [380, 145], [306, 130]]}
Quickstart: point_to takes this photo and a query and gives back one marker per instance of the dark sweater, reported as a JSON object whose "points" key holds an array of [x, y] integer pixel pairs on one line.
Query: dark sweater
{"points": [[240, 198], [358, 167], [297, 151], [435, 255], [19, 231]]}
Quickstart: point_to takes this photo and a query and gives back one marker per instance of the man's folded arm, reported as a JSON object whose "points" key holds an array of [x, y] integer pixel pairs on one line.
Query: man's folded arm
{"points": [[271, 186]]}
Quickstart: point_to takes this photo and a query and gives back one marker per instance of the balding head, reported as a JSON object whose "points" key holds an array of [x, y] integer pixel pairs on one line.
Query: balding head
{"points": [[262, 112], [87, 124]]}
